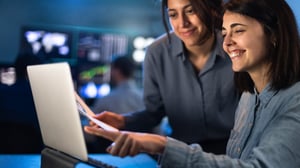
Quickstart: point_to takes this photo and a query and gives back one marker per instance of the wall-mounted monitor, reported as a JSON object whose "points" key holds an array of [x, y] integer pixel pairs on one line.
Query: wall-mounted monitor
{"points": [[88, 51], [49, 44], [100, 47], [93, 80], [95, 51], [7, 74]]}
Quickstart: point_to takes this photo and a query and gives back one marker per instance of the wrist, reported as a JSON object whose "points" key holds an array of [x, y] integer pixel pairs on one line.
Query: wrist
{"points": [[161, 141]]}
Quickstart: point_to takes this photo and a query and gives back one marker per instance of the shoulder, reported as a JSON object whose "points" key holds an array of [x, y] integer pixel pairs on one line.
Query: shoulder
{"points": [[164, 49], [292, 92], [218, 49], [164, 43]]}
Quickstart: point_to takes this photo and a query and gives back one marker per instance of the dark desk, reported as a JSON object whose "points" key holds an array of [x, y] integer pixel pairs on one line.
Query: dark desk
{"points": [[34, 161]]}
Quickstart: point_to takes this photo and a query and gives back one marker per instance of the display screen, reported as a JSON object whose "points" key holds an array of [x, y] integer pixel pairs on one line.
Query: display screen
{"points": [[47, 44], [7, 75], [89, 51], [95, 51], [93, 80], [100, 47]]}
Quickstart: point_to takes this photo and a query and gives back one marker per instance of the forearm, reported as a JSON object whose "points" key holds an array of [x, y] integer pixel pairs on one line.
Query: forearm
{"points": [[178, 154], [141, 121]]}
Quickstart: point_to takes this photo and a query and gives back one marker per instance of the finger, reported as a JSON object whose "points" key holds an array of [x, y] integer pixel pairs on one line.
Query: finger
{"points": [[134, 149], [118, 144], [125, 147], [92, 123], [110, 135], [108, 149], [102, 116]]}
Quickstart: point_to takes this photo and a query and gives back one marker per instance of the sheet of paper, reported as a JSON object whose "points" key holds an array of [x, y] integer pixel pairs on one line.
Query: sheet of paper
{"points": [[87, 112], [82, 103]]}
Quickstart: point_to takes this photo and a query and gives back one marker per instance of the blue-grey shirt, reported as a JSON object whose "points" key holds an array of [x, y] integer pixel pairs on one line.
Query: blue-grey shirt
{"points": [[199, 106], [265, 135]]}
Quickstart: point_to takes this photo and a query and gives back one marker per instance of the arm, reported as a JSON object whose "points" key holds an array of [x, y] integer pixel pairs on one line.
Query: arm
{"points": [[130, 143], [278, 146]]}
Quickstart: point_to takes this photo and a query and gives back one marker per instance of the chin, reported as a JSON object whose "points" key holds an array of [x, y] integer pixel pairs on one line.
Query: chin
{"points": [[237, 69]]}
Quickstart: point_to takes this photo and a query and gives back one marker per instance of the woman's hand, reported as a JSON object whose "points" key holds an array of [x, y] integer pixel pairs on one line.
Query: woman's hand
{"points": [[130, 143], [110, 118]]}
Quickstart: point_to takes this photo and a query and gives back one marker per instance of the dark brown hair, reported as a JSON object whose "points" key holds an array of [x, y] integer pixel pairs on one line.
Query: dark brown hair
{"points": [[283, 46], [208, 11]]}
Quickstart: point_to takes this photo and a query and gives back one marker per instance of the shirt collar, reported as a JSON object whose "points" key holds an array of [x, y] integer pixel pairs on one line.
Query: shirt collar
{"points": [[217, 53], [178, 50], [176, 47], [266, 95]]}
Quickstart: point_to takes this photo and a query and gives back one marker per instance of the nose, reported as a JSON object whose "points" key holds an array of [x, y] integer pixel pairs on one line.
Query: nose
{"points": [[184, 21], [227, 41]]}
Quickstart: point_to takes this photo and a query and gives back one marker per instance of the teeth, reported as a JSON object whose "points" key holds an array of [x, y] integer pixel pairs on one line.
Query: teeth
{"points": [[234, 54]]}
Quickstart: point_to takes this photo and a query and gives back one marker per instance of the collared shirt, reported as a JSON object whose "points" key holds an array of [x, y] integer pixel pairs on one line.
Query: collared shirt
{"points": [[266, 134], [199, 106], [126, 97]]}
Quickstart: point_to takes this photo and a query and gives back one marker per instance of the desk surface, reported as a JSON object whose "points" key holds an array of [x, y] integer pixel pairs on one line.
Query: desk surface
{"points": [[34, 161]]}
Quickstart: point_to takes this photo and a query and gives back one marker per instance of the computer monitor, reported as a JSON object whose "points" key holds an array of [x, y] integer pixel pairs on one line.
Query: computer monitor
{"points": [[95, 51], [7, 74], [50, 44], [93, 80], [100, 46]]}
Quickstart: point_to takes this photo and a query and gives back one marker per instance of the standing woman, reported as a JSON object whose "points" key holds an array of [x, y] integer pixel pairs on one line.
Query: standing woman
{"points": [[188, 78], [265, 55]]}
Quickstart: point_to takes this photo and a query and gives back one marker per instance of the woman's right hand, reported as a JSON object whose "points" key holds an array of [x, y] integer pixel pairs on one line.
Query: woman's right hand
{"points": [[128, 143], [111, 118]]}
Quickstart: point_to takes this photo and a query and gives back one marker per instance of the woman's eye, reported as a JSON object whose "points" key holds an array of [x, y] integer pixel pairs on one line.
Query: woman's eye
{"points": [[239, 31], [172, 15], [189, 11], [223, 35]]}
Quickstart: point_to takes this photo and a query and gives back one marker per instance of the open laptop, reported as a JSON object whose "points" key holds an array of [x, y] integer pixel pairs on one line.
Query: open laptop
{"points": [[57, 111]]}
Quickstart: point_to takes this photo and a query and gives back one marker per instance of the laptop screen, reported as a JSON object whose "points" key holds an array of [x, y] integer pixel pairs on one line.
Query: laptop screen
{"points": [[53, 94]]}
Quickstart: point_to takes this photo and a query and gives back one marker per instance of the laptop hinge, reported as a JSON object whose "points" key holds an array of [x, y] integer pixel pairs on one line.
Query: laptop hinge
{"points": [[51, 158]]}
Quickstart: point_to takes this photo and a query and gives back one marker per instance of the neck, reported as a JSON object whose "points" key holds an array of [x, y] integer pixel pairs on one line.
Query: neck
{"points": [[202, 50], [260, 81], [260, 76], [198, 55]]}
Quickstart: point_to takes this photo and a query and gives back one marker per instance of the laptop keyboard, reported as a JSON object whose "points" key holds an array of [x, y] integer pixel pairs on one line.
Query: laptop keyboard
{"points": [[99, 164]]}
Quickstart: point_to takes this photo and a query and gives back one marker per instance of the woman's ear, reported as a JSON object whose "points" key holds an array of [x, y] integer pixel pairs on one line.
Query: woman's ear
{"points": [[273, 41]]}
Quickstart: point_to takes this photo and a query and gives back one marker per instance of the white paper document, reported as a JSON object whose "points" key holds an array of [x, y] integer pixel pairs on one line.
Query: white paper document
{"points": [[83, 111]]}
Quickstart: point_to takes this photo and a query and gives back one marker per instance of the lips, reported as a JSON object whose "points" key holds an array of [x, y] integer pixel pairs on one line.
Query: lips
{"points": [[236, 53], [187, 33]]}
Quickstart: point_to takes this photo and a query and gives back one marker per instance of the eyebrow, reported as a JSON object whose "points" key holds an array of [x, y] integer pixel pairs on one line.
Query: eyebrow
{"points": [[186, 6], [234, 25]]}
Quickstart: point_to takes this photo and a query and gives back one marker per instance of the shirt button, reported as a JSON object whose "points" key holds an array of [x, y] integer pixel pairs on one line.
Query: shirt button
{"points": [[238, 150]]}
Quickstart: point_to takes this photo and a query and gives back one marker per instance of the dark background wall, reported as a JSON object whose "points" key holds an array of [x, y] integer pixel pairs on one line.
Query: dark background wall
{"points": [[135, 17]]}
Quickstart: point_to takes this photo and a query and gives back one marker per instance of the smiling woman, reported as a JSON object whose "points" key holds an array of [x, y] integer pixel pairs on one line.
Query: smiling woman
{"points": [[187, 61], [246, 55], [265, 55]]}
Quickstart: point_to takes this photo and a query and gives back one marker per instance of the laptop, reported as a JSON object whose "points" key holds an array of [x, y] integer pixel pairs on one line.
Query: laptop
{"points": [[55, 102]]}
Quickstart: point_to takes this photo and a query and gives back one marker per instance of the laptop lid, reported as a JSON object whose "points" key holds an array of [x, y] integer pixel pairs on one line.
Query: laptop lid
{"points": [[55, 103]]}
